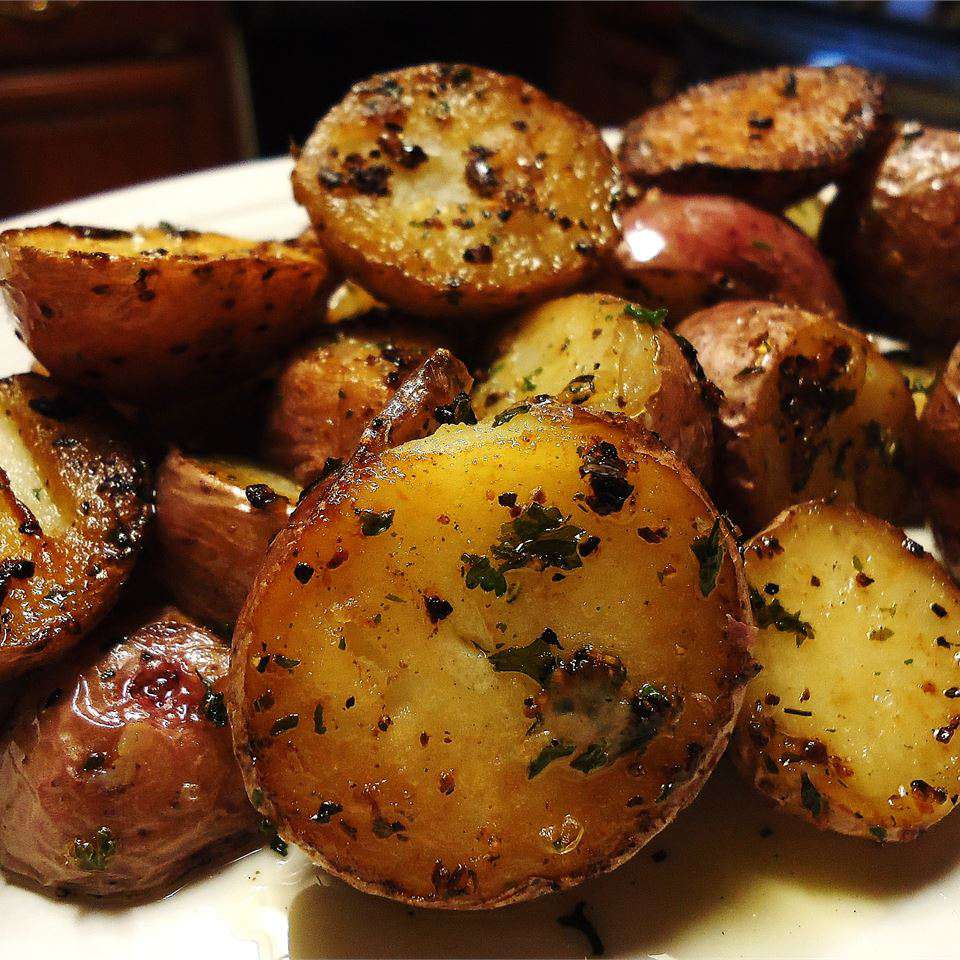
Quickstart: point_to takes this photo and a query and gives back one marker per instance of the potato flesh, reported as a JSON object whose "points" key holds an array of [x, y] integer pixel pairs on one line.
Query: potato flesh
{"points": [[577, 336], [28, 486], [876, 681], [505, 194], [420, 730]]}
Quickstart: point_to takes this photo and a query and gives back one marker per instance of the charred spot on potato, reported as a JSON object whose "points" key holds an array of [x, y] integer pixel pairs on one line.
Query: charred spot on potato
{"points": [[606, 475], [303, 572], [459, 410], [437, 608]]}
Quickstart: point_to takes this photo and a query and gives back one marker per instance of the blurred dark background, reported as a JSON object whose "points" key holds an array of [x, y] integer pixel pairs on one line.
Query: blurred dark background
{"points": [[99, 95]]}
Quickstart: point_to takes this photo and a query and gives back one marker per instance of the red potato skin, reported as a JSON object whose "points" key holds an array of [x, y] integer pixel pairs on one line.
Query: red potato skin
{"points": [[122, 739], [894, 231], [691, 252]]}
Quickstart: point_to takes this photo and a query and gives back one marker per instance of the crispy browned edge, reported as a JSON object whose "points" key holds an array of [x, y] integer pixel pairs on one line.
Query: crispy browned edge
{"points": [[788, 177], [645, 445]]}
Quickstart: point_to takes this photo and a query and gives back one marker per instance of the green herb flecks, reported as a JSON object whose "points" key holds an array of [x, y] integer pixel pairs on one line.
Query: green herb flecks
{"points": [[650, 317], [709, 553], [536, 659], [95, 853], [554, 750], [372, 523], [773, 614]]}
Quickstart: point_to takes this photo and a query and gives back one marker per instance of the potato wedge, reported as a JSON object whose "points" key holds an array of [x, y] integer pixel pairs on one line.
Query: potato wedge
{"points": [[938, 462], [811, 409], [137, 314], [604, 353], [331, 388], [492, 663], [452, 191], [75, 500], [215, 520], [849, 724], [116, 772], [770, 137], [689, 252], [894, 232]]}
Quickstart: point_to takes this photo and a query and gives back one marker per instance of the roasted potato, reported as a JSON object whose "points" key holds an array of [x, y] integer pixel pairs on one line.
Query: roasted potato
{"points": [[811, 409], [330, 389], [138, 314], [849, 724], [450, 191], [690, 252], [436, 393], [770, 137], [215, 519], [938, 462], [491, 663], [116, 772], [604, 353], [75, 500], [894, 231]]}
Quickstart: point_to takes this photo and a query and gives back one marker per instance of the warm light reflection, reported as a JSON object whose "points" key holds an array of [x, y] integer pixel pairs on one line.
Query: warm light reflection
{"points": [[644, 243]]}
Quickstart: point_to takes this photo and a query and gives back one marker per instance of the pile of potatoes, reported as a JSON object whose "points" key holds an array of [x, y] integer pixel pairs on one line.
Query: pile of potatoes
{"points": [[456, 540]]}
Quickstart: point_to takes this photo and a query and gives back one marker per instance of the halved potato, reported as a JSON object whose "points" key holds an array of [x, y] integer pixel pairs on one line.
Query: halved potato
{"points": [[811, 409], [116, 773], [136, 314], [693, 251], [938, 462], [770, 137], [74, 504], [449, 190], [330, 389], [215, 520], [604, 353], [851, 721], [492, 663], [894, 232]]}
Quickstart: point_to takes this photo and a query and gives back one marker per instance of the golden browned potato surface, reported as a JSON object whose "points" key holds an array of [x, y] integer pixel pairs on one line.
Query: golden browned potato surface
{"points": [[938, 461], [810, 409], [330, 389], [215, 519], [135, 314], [490, 663], [74, 504], [851, 722], [116, 772], [449, 190], [895, 234], [770, 136], [688, 252], [604, 353]]}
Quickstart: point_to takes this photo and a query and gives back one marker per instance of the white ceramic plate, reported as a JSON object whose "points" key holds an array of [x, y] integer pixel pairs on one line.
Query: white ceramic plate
{"points": [[724, 888]]}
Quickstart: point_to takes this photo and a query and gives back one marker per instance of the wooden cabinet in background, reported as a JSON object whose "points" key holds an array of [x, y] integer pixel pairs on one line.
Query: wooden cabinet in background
{"points": [[100, 95]]}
